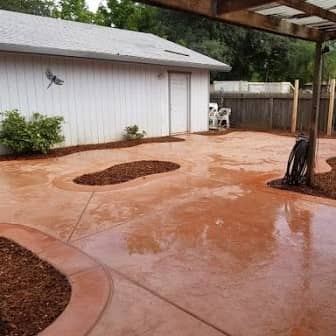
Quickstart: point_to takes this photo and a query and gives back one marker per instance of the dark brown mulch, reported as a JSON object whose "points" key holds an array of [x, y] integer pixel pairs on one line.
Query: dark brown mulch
{"points": [[215, 132], [57, 152], [270, 131], [324, 184], [32, 292], [125, 172]]}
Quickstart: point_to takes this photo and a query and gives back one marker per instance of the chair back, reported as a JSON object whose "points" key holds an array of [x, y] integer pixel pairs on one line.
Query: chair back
{"points": [[224, 111], [213, 108]]}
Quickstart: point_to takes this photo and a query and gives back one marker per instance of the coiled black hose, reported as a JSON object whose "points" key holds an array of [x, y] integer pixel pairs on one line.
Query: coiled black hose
{"points": [[297, 163]]}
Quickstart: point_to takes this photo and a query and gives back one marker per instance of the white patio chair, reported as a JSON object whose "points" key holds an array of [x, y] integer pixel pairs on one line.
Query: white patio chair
{"points": [[213, 112], [213, 107], [223, 117]]}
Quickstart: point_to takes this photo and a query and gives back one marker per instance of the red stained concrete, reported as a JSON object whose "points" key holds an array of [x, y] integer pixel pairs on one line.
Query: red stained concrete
{"points": [[204, 250]]}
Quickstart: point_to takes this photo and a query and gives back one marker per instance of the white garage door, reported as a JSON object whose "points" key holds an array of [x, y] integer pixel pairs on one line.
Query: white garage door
{"points": [[179, 88]]}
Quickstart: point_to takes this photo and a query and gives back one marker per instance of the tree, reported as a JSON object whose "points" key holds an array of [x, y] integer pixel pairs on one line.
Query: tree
{"points": [[301, 61], [37, 7], [329, 65], [75, 10], [125, 14], [118, 14]]}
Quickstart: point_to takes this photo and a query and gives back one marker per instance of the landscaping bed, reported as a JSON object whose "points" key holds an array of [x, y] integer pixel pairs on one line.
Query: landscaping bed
{"points": [[125, 172], [214, 132], [220, 131], [32, 292], [57, 152], [324, 184]]}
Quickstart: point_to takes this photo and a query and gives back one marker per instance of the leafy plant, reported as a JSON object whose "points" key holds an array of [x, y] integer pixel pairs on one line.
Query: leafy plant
{"points": [[132, 133], [36, 135]]}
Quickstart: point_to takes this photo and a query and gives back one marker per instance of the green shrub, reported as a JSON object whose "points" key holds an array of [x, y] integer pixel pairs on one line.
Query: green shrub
{"points": [[36, 135], [133, 133]]}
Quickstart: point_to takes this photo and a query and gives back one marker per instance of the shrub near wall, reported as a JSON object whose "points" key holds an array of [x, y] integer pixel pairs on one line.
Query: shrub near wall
{"points": [[37, 135]]}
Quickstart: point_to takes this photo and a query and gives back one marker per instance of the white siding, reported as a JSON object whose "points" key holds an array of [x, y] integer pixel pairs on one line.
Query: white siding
{"points": [[200, 82], [98, 98]]}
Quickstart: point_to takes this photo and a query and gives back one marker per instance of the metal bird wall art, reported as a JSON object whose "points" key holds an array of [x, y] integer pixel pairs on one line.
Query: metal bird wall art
{"points": [[53, 79]]}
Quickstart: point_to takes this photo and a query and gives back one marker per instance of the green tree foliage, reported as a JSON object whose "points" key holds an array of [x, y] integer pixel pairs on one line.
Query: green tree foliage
{"points": [[301, 54], [74, 10], [126, 14], [329, 65], [37, 7], [260, 57], [120, 15]]}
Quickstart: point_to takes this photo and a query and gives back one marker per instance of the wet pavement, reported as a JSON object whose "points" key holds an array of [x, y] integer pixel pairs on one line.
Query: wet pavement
{"points": [[208, 249]]}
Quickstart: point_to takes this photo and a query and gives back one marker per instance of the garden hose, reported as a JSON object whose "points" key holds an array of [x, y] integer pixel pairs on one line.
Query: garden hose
{"points": [[297, 162]]}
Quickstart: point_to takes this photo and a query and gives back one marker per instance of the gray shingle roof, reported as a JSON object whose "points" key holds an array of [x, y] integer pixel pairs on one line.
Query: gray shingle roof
{"points": [[35, 34]]}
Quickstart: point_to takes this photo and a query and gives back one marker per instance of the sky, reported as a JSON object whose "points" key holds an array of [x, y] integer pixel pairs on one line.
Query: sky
{"points": [[93, 4]]}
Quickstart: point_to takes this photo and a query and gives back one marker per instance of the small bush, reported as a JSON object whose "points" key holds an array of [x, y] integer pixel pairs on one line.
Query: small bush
{"points": [[36, 135], [133, 133]]}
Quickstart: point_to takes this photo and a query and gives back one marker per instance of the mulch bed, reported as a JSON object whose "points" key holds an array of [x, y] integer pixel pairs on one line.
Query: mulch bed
{"points": [[125, 172], [32, 292], [324, 184], [280, 132], [214, 132], [57, 152]]}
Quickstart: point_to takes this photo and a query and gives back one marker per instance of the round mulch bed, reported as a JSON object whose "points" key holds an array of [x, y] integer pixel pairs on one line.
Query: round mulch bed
{"points": [[125, 172], [32, 292], [324, 184]]}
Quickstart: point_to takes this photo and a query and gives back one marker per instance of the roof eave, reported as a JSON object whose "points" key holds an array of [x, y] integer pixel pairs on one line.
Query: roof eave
{"points": [[5, 47]]}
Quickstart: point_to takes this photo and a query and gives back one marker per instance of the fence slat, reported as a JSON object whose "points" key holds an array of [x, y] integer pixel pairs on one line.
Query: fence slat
{"points": [[256, 111]]}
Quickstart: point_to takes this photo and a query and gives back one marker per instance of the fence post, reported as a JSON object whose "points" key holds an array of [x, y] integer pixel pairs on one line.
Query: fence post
{"points": [[295, 106], [331, 107]]}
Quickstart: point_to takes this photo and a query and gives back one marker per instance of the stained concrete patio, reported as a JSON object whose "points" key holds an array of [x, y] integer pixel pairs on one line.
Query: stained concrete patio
{"points": [[204, 250]]}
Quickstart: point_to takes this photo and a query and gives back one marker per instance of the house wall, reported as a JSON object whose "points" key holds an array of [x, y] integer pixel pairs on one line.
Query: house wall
{"points": [[98, 98]]}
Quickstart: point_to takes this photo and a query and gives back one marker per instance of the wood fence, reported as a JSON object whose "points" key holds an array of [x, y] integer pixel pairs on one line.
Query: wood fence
{"points": [[272, 111]]}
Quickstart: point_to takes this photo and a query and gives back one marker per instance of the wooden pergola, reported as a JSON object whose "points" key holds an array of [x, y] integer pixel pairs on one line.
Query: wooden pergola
{"points": [[312, 20]]}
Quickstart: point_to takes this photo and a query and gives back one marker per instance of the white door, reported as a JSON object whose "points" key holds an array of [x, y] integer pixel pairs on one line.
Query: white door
{"points": [[179, 86]]}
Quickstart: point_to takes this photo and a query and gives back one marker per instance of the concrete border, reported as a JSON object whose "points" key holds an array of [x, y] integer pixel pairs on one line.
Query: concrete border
{"points": [[90, 283]]}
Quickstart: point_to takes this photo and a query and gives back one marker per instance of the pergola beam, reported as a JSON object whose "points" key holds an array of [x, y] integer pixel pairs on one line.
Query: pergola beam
{"points": [[228, 6], [241, 18], [271, 24], [330, 36], [310, 9]]}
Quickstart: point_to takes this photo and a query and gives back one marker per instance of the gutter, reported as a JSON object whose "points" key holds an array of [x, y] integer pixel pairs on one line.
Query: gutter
{"points": [[108, 57]]}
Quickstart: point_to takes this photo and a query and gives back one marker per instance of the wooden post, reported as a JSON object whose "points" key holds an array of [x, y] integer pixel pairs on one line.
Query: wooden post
{"points": [[295, 105], [271, 108], [313, 130], [331, 107]]}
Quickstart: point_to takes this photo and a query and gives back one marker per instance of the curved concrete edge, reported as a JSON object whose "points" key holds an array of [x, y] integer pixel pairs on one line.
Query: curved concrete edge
{"points": [[90, 283], [66, 182]]}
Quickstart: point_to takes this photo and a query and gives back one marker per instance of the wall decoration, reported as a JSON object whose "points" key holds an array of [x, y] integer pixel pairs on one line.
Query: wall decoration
{"points": [[53, 79]]}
